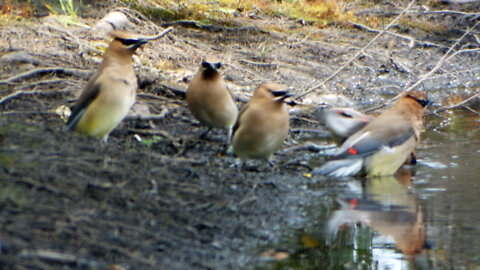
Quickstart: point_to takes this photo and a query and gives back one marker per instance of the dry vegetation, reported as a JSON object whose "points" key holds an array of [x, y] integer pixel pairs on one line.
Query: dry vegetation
{"points": [[156, 194]]}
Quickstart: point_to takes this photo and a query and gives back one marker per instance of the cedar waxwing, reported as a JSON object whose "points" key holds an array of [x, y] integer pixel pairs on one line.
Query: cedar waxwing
{"points": [[263, 123], [344, 122], [384, 144], [209, 99], [110, 92]]}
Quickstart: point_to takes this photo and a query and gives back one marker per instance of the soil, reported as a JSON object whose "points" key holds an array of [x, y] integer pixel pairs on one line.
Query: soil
{"points": [[156, 196]]}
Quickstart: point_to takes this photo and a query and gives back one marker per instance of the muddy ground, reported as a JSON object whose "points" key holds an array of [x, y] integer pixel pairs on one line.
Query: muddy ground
{"points": [[158, 197]]}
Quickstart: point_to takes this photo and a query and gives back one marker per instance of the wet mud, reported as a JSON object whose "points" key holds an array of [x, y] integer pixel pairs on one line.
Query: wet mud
{"points": [[156, 196]]}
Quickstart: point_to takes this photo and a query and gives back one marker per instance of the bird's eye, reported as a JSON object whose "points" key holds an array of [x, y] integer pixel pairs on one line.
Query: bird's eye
{"points": [[218, 65], [423, 102], [128, 42]]}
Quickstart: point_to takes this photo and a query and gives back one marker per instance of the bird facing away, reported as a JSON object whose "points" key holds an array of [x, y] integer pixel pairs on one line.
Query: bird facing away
{"points": [[110, 92], [384, 144], [263, 123], [209, 100]]}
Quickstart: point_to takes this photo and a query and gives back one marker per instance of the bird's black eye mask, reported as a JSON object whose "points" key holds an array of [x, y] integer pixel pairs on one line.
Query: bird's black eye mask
{"points": [[213, 66], [424, 102], [128, 42]]}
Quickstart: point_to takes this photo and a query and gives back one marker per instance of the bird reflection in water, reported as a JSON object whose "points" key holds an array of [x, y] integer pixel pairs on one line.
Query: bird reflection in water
{"points": [[387, 206]]}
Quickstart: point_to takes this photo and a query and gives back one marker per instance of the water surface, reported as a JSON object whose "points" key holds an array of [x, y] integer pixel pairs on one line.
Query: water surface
{"points": [[426, 217]]}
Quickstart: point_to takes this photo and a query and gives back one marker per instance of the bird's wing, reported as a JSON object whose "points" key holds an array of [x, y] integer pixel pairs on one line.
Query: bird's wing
{"points": [[237, 123], [366, 141], [80, 107]]}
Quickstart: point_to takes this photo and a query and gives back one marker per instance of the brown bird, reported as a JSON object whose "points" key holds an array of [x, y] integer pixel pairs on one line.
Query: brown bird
{"points": [[209, 99], [110, 92], [263, 123], [344, 122], [384, 144]]}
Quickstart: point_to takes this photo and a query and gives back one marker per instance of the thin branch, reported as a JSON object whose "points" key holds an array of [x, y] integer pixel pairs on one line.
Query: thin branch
{"points": [[442, 60], [274, 65], [453, 12], [471, 110], [152, 96], [411, 39], [37, 71], [32, 92], [455, 106], [447, 56], [394, 21], [159, 35], [306, 38]]}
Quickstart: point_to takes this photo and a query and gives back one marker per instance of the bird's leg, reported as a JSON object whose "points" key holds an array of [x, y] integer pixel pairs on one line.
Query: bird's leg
{"points": [[204, 134]]}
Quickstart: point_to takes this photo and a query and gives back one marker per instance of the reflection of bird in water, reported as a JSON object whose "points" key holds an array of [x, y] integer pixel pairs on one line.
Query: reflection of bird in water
{"points": [[384, 144], [387, 207]]}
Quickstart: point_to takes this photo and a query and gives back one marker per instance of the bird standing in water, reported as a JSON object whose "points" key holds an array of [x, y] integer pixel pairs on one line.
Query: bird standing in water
{"points": [[110, 92], [384, 144], [344, 122]]}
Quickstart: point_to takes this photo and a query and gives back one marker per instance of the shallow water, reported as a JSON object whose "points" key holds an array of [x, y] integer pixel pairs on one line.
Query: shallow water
{"points": [[426, 217]]}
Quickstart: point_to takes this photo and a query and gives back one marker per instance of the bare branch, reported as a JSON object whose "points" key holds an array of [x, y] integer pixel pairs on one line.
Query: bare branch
{"points": [[394, 21], [411, 39], [443, 59], [159, 35], [37, 71], [455, 106]]}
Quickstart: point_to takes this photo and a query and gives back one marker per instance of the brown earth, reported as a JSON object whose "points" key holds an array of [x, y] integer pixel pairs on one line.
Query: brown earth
{"points": [[156, 196]]}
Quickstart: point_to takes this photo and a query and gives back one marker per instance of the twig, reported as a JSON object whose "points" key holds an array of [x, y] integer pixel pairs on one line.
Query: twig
{"points": [[146, 95], [26, 112], [441, 109], [442, 60], [411, 39], [306, 38], [33, 92], [37, 71], [214, 28], [157, 36], [394, 21], [454, 12], [274, 65], [49, 255], [471, 110]]}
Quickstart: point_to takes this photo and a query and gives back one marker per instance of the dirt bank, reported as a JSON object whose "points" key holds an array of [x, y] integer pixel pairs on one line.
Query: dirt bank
{"points": [[156, 196]]}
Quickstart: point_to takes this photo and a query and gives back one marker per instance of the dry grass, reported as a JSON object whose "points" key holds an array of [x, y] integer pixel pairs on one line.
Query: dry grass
{"points": [[319, 12]]}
